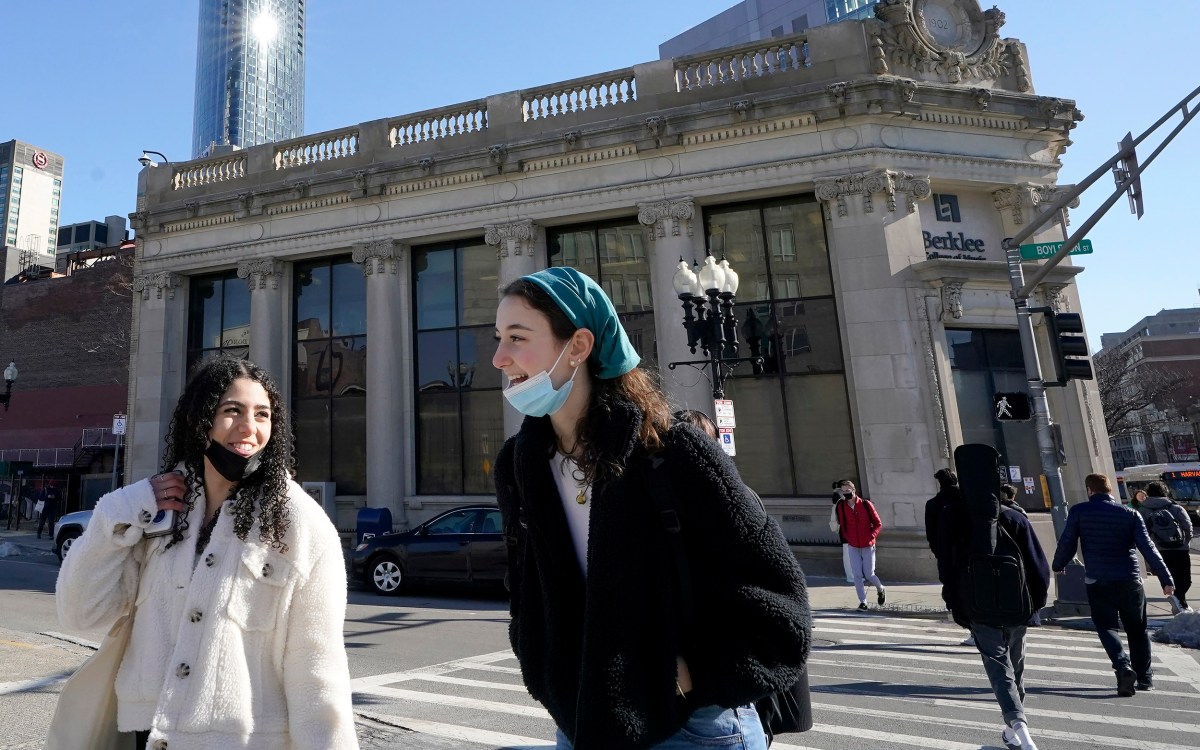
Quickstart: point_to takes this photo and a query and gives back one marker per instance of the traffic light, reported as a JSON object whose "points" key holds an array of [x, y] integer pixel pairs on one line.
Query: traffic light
{"points": [[1069, 347]]}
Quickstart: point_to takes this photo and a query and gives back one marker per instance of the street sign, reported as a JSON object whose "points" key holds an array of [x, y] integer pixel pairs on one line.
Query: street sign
{"points": [[1011, 407], [1044, 250], [724, 411], [727, 443], [119, 424]]}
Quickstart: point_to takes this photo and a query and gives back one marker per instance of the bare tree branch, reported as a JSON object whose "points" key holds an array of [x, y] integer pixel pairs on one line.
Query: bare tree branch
{"points": [[1136, 396]]}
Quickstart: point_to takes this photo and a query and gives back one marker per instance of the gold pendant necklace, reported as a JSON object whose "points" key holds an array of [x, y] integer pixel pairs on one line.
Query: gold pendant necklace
{"points": [[581, 498]]}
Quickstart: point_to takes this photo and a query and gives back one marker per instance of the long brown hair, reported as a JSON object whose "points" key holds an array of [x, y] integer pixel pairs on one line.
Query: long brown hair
{"points": [[637, 387]]}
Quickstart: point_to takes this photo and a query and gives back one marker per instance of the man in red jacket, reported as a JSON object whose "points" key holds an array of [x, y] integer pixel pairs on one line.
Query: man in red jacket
{"points": [[860, 527]]}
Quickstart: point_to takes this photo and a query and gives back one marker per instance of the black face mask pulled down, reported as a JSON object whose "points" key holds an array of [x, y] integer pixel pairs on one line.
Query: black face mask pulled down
{"points": [[232, 466]]}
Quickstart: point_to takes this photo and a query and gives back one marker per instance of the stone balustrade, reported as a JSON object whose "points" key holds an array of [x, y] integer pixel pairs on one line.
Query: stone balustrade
{"points": [[208, 171], [337, 144], [436, 124], [589, 92], [762, 58]]}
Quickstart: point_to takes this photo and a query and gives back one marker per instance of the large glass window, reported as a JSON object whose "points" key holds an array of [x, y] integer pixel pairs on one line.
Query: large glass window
{"points": [[460, 420], [218, 317], [794, 434], [986, 362], [614, 254], [329, 374]]}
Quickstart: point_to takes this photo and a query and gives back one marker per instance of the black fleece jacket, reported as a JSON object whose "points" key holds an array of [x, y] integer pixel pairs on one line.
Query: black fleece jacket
{"points": [[600, 654]]}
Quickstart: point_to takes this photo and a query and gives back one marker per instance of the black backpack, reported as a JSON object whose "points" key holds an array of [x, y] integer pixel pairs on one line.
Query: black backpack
{"points": [[991, 585], [1164, 529]]}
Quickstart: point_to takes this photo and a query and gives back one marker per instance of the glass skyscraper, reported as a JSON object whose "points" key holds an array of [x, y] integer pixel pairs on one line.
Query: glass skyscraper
{"points": [[249, 73]]}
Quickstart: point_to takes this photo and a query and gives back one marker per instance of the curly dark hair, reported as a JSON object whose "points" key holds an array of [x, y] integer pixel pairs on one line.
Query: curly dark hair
{"points": [[1157, 489], [187, 439], [638, 387]]}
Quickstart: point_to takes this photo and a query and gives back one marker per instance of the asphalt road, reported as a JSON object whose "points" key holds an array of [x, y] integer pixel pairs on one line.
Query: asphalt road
{"points": [[433, 670]]}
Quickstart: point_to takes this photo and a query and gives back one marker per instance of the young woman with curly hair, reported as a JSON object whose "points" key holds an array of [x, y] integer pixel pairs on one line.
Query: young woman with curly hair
{"points": [[600, 627], [238, 605]]}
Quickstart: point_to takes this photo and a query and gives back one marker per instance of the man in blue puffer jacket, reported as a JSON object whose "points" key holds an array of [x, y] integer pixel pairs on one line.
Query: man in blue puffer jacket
{"points": [[1108, 532]]}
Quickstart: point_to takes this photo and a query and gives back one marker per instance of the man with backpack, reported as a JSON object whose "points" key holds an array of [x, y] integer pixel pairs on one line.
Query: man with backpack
{"points": [[1171, 531], [994, 581], [1108, 533]]}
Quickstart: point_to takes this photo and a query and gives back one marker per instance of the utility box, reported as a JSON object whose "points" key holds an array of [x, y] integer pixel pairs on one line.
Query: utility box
{"points": [[325, 493]]}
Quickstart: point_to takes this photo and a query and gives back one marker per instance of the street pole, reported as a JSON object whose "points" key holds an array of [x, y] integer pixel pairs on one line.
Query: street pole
{"points": [[116, 462]]}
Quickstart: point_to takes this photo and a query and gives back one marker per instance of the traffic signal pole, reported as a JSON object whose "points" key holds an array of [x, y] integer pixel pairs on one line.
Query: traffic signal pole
{"points": [[1127, 171]]}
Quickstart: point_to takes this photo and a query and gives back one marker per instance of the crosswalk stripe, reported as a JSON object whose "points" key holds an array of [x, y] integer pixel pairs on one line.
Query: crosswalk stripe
{"points": [[1126, 721], [499, 740], [894, 738], [891, 623], [445, 679], [1179, 663], [1030, 654], [459, 701], [1090, 739]]}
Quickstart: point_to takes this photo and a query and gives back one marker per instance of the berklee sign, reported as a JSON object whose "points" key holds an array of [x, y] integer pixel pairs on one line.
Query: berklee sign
{"points": [[1011, 407]]}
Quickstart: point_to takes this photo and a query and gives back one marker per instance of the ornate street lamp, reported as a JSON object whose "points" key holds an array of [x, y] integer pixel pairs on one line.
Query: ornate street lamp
{"points": [[707, 299], [10, 376]]}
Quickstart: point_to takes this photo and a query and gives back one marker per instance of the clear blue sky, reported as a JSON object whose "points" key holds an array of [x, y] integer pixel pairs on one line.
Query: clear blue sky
{"points": [[99, 81]]}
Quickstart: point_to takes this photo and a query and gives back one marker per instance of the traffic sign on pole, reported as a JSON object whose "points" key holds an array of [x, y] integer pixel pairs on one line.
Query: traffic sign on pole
{"points": [[1043, 250]]}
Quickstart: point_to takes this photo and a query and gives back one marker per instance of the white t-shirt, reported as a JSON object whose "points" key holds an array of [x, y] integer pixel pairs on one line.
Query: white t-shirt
{"points": [[569, 479]]}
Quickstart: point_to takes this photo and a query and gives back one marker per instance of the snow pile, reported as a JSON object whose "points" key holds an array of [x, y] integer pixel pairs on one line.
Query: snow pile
{"points": [[1183, 628], [8, 549]]}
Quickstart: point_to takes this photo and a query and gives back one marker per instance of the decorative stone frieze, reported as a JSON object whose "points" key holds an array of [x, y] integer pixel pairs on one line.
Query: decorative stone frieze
{"points": [[742, 108], [163, 281], [982, 97], [498, 154], [378, 256], [669, 215], [901, 40], [299, 189], [1056, 298], [515, 237], [952, 303], [837, 92], [259, 272], [1018, 198], [867, 184], [1020, 66]]}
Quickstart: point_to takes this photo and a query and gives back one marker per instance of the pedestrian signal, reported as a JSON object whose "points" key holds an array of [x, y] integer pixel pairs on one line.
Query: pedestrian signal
{"points": [[1011, 407]]}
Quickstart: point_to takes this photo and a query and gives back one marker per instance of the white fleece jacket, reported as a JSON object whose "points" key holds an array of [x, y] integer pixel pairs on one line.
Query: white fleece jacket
{"points": [[242, 648]]}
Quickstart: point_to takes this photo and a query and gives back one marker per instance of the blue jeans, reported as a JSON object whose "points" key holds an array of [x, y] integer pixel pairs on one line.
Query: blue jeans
{"points": [[1125, 600], [1003, 652], [708, 727]]}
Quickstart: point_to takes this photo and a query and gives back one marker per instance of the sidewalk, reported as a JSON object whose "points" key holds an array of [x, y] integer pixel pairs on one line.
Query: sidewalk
{"points": [[25, 541]]}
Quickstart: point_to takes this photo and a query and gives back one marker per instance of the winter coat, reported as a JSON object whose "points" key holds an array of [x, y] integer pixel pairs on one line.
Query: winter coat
{"points": [[860, 525], [953, 551], [600, 654], [241, 648], [1177, 512], [1108, 533], [933, 513]]}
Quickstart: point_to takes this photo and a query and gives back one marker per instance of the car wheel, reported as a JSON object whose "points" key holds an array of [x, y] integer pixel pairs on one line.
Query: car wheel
{"points": [[65, 540], [385, 576]]}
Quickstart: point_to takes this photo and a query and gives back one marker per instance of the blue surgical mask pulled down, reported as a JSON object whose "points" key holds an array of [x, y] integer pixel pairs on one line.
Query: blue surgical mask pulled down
{"points": [[536, 396]]}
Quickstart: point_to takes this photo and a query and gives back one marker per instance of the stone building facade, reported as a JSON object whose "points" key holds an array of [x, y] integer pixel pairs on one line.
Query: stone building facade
{"points": [[860, 177]]}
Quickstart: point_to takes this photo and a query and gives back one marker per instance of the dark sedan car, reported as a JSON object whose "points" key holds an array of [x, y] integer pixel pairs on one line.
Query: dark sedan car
{"points": [[463, 545]]}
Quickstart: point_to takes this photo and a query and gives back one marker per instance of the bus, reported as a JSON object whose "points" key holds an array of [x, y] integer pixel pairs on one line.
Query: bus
{"points": [[1182, 480]]}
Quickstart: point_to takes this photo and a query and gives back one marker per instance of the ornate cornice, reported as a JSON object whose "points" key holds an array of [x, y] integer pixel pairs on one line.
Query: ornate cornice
{"points": [[1018, 198], [516, 236], [160, 282], [661, 214], [866, 184], [378, 256], [577, 158], [259, 271]]}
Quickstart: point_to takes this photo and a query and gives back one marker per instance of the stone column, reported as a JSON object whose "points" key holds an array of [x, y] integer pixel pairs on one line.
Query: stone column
{"points": [[388, 346], [669, 223], [156, 374], [521, 250], [268, 333], [874, 235]]}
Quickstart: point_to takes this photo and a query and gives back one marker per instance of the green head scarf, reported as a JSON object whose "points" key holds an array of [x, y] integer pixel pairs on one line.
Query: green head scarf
{"points": [[587, 306]]}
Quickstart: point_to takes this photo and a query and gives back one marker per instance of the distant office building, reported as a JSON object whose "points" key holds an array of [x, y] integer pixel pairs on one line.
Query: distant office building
{"points": [[91, 235], [752, 20], [30, 196], [249, 74]]}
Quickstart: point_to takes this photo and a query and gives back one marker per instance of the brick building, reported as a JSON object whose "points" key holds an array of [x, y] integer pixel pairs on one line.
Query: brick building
{"points": [[69, 337]]}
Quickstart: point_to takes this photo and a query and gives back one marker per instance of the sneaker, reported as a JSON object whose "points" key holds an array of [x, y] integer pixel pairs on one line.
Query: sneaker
{"points": [[1017, 737], [862, 607], [1125, 683], [970, 641], [1145, 685], [881, 596], [1176, 607]]}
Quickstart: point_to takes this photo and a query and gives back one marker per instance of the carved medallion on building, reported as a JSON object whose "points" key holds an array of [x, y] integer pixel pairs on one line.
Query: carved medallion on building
{"points": [[952, 39]]}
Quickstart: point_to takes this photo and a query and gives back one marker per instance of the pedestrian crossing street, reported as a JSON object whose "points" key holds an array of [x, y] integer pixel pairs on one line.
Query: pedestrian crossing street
{"points": [[877, 682]]}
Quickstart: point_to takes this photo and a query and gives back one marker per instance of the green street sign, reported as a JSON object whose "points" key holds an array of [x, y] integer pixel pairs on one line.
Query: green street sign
{"points": [[1044, 250]]}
